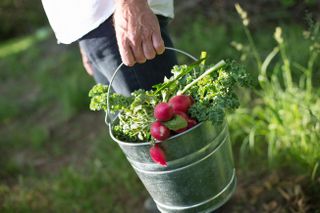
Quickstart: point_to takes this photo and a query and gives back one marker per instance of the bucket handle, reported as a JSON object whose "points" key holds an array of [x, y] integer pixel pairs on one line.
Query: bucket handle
{"points": [[108, 117]]}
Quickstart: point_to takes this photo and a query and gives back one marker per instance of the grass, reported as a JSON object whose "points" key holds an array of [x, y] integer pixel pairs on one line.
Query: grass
{"points": [[20, 44], [55, 155], [93, 186]]}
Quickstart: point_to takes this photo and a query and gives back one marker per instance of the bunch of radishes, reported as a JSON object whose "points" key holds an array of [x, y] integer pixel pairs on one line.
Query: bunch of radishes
{"points": [[176, 109]]}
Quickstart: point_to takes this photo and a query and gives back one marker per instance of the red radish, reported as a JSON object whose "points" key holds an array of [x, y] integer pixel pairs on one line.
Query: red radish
{"points": [[181, 103], [163, 112], [158, 155], [159, 131]]}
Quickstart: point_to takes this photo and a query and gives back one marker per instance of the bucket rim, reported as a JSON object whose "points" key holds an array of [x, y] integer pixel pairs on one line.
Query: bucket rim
{"points": [[148, 142], [157, 142]]}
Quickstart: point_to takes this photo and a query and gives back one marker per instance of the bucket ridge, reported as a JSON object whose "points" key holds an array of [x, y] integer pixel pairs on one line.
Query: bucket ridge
{"points": [[232, 180], [189, 158]]}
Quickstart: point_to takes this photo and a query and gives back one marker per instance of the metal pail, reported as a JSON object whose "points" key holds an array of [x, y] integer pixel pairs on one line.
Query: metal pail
{"points": [[200, 176]]}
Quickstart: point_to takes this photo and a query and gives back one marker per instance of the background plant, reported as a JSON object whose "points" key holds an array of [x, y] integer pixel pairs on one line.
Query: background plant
{"points": [[286, 113]]}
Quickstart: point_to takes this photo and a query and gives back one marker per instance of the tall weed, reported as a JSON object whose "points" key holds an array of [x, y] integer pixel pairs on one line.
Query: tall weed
{"points": [[285, 115]]}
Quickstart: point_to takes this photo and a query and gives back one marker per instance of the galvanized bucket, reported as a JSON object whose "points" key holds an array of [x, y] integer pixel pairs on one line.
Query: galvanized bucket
{"points": [[200, 176]]}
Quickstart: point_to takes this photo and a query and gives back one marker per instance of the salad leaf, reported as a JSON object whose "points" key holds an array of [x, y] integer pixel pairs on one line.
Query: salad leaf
{"points": [[176, 123]]}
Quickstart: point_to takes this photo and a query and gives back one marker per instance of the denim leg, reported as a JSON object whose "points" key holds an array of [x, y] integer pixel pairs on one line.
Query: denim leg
{"points": [[101, 47]]}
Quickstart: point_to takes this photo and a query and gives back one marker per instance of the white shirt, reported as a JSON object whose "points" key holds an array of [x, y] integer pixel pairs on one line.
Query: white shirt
{"points": [[72, 19]]}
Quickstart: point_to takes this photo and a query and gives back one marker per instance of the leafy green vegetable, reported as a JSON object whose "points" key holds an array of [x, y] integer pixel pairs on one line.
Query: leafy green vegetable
{"points": [[212, 88], [176, 123], [214, 94], [98, 95]]}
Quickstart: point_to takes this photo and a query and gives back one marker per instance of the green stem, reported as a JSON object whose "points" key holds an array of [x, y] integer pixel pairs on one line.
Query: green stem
{"points": [[207, 72], [314, 171], [263, 75], [287, 73], [309, 71], [253, 47], [286, 67], [300, 67], [189, 69]]}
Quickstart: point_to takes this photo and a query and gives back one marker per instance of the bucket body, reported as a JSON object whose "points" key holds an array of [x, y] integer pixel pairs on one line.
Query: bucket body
{"points": [[200, 176]]}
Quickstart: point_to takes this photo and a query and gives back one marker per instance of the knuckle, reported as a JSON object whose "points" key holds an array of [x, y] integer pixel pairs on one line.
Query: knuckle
{"points": [[134, 44], [135, 41]]}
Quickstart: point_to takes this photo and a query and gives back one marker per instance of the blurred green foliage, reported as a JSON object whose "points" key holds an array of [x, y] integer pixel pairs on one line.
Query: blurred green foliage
{"points": [[39, 88], [285, 115], [289, 3], [20, 17]]}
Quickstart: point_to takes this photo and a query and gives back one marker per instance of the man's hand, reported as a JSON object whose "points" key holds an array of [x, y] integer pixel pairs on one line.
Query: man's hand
{"points": [[137, 31], [86, 63]]}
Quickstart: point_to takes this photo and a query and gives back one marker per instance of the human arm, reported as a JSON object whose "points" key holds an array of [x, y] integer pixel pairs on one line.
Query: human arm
{"points": [[86, 62], [137, 31]]}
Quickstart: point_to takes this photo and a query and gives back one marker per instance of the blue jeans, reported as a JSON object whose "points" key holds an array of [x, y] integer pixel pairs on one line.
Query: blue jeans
{"points": [[100, 46]]}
